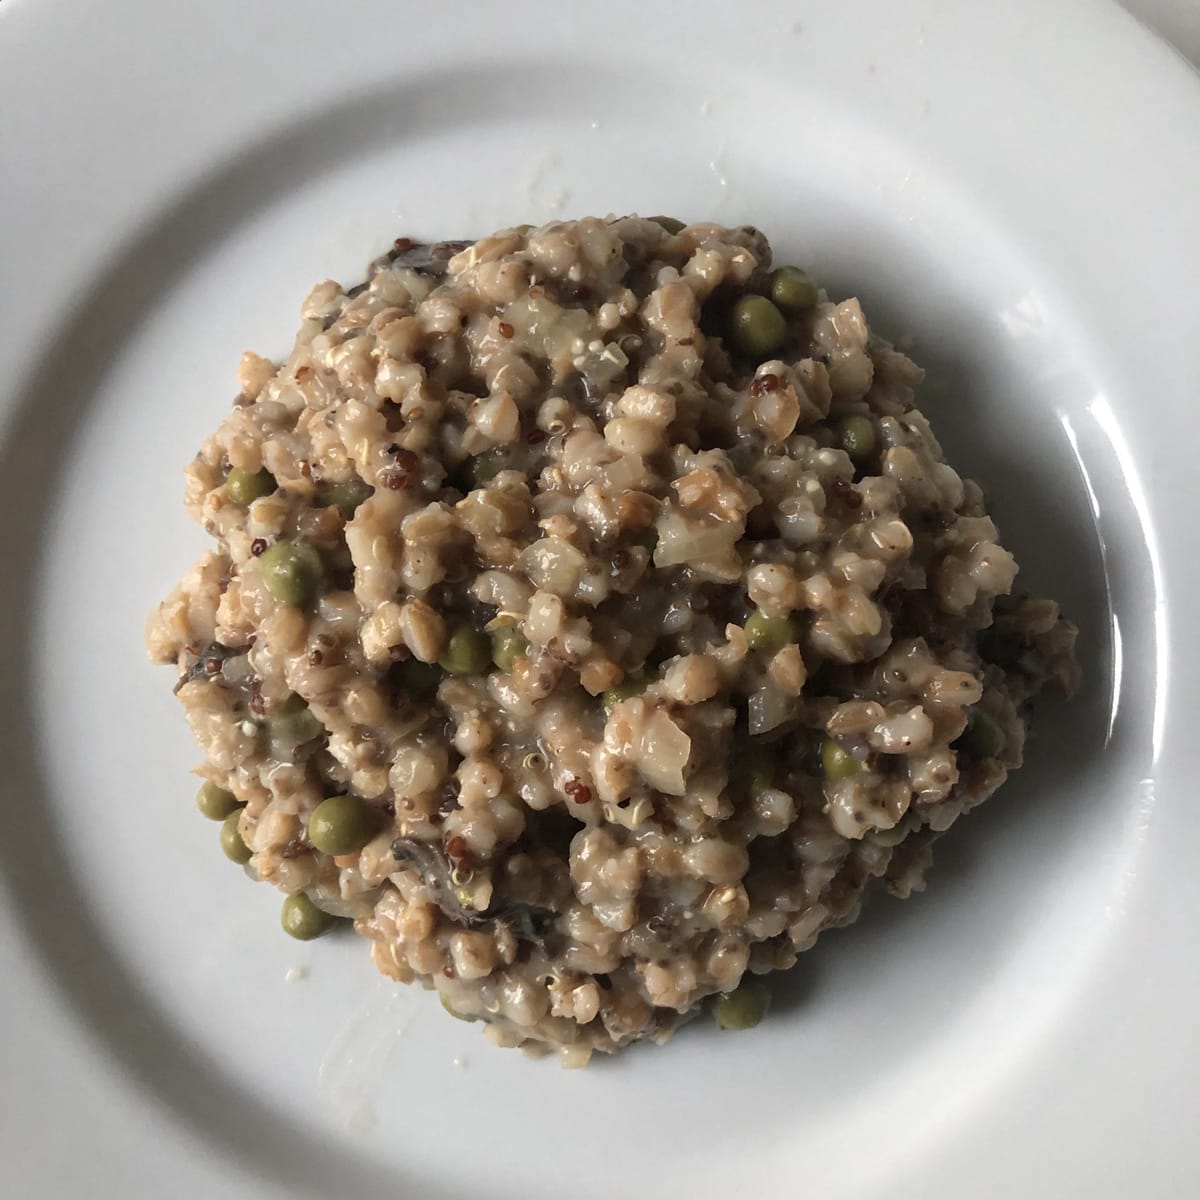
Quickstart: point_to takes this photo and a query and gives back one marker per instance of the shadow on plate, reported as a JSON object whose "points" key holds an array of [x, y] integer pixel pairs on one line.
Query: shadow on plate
{"points": [[88, 968], [1052, 535]]}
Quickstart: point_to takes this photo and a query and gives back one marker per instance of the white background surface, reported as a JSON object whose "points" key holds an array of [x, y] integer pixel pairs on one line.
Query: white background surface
{"points": [[1028, 1027]]}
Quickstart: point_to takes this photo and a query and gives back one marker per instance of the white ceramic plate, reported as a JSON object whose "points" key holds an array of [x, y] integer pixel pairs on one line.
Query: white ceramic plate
{"points": [[1013, 186]]}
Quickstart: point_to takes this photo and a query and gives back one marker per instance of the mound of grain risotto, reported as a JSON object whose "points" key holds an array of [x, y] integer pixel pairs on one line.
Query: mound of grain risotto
{"points": [[592, 617]]}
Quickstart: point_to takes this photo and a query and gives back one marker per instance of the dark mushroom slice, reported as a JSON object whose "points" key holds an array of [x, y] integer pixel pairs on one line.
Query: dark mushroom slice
{"points": [[208, 663], [528, 922]]}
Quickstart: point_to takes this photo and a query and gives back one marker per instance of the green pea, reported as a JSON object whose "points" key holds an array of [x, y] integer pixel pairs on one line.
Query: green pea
{"points": [[630, 686], [292, 571], [483, 468], [983, 737], [856, 435], [417, 678], [341, 825], [792, 290], [770, 633], [244, 487], [507, 646], [756, 327], [347, 496], [838, 764], [468, 652], [744, 1007], [293, 723], [671, 224], [761, 771], [215, 802], [235, 848], [453, 1011], [302, 919]]}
